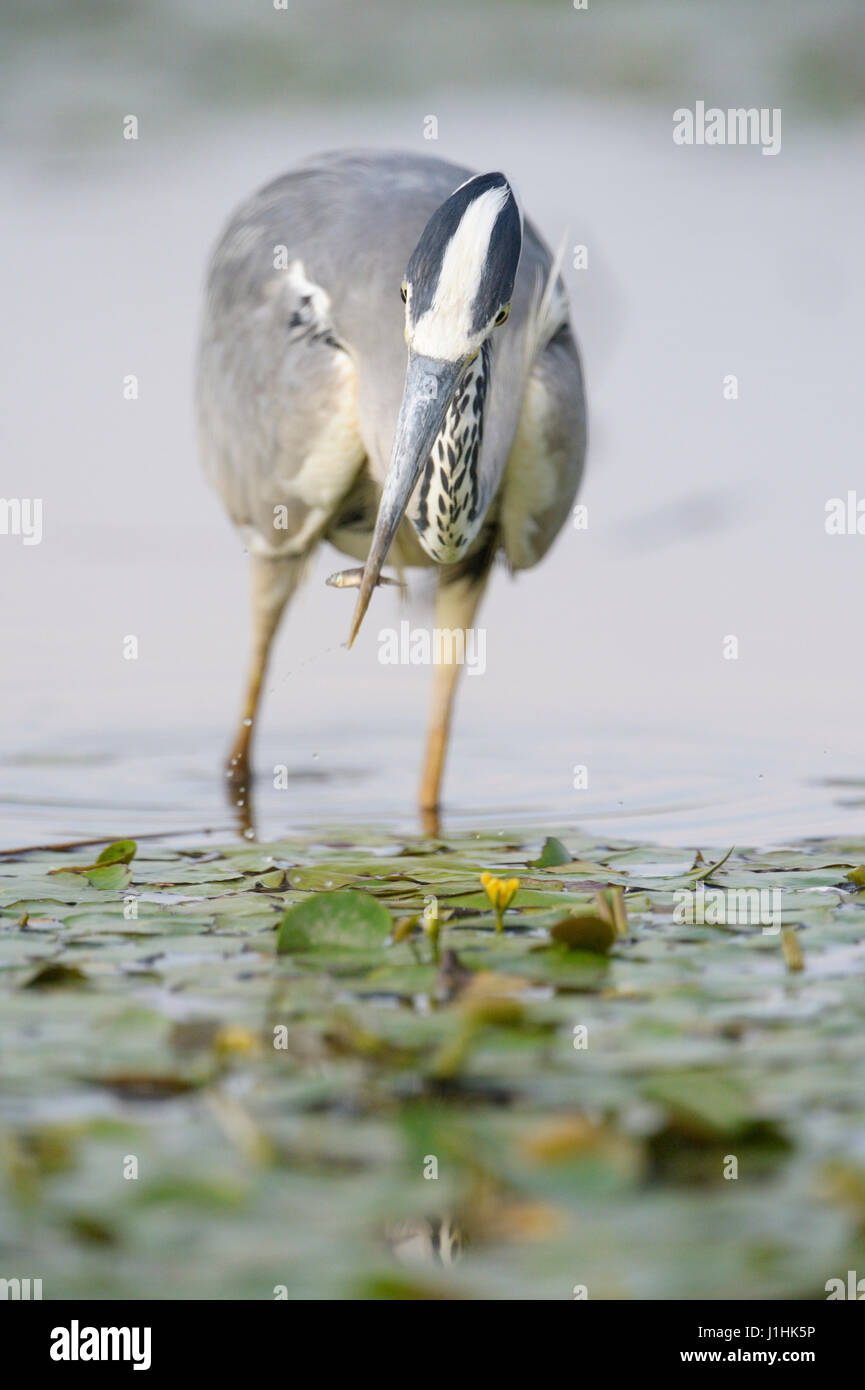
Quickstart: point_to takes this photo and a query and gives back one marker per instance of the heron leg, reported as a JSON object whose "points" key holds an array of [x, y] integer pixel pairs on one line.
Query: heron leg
{"points": [[458, 598], [273, 581]]}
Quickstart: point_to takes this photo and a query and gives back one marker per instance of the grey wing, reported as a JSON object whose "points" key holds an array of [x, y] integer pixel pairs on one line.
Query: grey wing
{"points": [[298, 382], [277, 402], [545, 464]]}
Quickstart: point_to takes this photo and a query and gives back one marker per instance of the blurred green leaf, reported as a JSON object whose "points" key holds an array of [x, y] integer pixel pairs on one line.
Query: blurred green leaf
{"points": [[346, 920], [585, 932], [552, 853]]}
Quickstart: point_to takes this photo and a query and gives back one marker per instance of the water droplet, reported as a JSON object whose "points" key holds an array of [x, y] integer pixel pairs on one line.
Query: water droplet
{"points": [[247, 723]]}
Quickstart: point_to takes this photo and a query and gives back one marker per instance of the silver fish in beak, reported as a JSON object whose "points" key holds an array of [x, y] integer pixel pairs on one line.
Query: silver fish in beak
{"points": [[352, 579]]}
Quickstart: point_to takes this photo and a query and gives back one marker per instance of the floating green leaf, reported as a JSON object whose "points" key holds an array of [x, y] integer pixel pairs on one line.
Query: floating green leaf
{"points": [[120, 852], [586, 931], [552, 853], [344, 920], [109, 876], [110, 870], [706, 1102], [705, 871]]}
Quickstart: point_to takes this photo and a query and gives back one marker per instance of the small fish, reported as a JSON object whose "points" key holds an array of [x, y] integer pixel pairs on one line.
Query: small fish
{"points": [[351, 579]]}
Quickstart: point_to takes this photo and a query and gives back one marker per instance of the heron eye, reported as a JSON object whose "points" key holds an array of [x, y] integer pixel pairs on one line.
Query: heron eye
{"points": [[502, 315], [403, 290]]}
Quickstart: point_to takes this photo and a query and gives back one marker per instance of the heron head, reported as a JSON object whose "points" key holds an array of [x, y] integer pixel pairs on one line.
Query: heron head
{"points": [[457, 290], [460, 276]]}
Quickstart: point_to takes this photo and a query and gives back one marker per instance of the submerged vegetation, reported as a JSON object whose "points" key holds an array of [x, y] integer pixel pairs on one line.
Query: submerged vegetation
{"points": [[235, 1072]]}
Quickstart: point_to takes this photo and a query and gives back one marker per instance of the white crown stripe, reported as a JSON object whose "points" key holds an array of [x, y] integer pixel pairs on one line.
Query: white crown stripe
{"points": [[445, 330]]}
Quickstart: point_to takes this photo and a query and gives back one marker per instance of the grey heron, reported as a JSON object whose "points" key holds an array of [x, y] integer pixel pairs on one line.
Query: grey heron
{"points": [[386, 363]]}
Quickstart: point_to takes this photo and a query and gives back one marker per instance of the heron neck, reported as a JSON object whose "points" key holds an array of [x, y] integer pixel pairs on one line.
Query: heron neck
{"points": [[448, 514]]}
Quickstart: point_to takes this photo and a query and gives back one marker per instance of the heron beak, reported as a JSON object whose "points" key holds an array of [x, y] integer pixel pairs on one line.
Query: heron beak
{"points": [[430, 385]]}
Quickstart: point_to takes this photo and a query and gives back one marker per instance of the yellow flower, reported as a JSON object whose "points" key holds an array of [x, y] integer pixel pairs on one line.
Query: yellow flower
{"points": [[231, 1039], [501, 893]]}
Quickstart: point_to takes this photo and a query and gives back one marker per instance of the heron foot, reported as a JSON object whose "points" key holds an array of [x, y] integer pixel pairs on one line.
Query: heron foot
{"points": [[238, 790], [430, 820]]}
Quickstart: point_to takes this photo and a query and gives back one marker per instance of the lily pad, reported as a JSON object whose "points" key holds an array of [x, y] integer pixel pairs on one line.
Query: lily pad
{"points": [[585, 931], [552, 853], [344, 920]]}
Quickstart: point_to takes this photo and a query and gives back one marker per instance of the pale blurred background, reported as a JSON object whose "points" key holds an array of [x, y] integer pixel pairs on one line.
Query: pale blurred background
{"points": [[706, 515]]}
